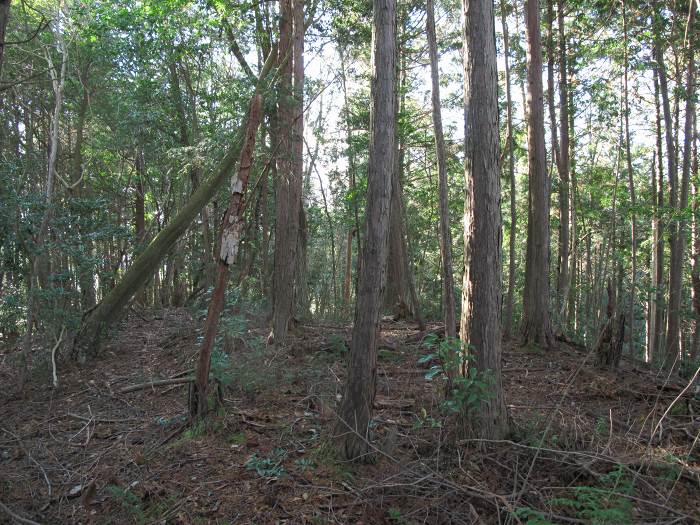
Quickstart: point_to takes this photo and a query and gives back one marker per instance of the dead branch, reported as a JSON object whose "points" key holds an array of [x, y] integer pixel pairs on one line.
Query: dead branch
{"points": [[155, 383]]}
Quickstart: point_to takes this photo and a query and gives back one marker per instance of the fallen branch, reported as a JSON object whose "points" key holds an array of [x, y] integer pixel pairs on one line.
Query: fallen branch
{"points": [[16, 517], [155, 383]]}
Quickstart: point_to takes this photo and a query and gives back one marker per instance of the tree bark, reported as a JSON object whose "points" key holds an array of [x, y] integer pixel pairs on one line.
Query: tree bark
{"points": [[4, 17], [287, 187], [448, 293], [536, 326], [658, 327], [400, 296], [352, 433], [302, 284], [630, 179], [480, 326], [510, 142], [695, 278], [231, 233], [95, 325], [679, 203], [567, 227]]}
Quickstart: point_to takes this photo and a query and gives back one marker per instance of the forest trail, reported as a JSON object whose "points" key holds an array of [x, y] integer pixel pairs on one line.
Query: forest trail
{"points": [[89, 452]]}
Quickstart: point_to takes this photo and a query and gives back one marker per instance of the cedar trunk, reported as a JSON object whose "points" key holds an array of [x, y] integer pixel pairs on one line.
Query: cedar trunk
{"points": [[536, 326], [355, 412], [448, 294], [480, 327]]}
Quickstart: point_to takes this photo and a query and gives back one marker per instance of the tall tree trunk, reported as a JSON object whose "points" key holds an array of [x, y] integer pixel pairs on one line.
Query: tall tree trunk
{"points": [[630, 178], [566, 227], [352, 433], [231, 234], [562, 243], [448, 294], [400, 296], [302, 287], [657, 331], [677, 227], [351, 158], [95, 325], [287, 187], [480, 326], [695, 348], [536, 327], [508, 312]]}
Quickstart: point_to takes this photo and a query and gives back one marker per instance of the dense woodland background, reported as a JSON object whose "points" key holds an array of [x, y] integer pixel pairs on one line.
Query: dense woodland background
{"points": [[493, 176]]}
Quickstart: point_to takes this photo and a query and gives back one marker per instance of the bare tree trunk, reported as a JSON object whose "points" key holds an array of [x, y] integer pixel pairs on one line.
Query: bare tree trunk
{"points": [[352, 433], [567, 225], [400, 296], [630, 178], [562, 244], [302, 285], [448, 293], [480, 326], [657, 331], [331, 230], [508, 312], [351, 158], [677, 238], [695, 279], [536, 327], [288, 186], [231, 233]]}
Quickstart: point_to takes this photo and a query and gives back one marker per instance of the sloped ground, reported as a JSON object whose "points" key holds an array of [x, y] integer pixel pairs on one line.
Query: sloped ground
{"points": [[587, 447]]}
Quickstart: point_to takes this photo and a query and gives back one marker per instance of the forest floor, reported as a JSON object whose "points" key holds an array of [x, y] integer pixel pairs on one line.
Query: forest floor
{"points": [[586, 446]]}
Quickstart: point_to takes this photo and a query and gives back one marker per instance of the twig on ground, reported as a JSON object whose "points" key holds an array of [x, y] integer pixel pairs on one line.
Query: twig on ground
{"points": [[16, 517], [156, 382]]}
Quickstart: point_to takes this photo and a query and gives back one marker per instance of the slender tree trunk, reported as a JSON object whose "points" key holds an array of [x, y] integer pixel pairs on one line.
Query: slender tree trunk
{"points": [[657, 332], [448, 294], [508, 313], [562, 243], [480, 326], [677, 238], [331, 235], [351, 158], [695, 348], [302, 288], [352, 433], [231, 233], [536, 327], [630, 178], [566, 224]]}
